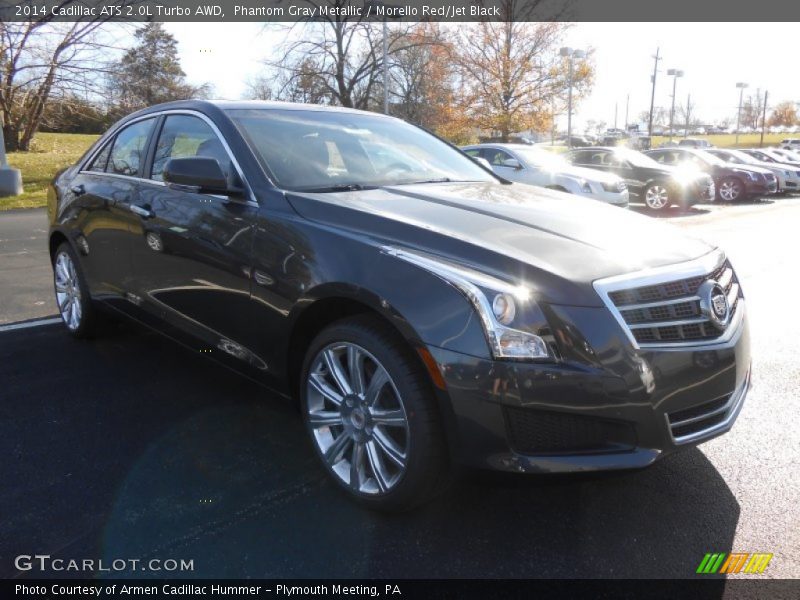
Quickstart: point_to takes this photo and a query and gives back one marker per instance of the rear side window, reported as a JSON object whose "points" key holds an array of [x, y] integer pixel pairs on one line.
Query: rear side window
{"points": [[581, 158], [130, 145], [101, 160], [185, 136], [664, 158]]}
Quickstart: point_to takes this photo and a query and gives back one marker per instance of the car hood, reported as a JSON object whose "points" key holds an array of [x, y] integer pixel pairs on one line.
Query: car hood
{"points": [[751, 168], [553, 233]]}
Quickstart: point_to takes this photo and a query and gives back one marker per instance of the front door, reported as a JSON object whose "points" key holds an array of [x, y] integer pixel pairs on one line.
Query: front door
{"points": [[192, 255]]}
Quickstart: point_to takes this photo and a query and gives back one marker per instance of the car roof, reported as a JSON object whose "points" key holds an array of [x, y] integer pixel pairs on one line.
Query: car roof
{"points": [[222, 105]]}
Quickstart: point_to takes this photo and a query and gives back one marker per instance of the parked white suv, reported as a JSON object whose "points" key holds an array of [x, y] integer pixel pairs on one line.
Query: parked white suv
{"points": [[535, 166], [791, 144]]}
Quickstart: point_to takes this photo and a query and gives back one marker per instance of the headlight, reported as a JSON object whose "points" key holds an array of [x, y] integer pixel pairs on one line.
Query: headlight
{"points": [[585, 187], [512, 321], [752, 176], [787, 173]]}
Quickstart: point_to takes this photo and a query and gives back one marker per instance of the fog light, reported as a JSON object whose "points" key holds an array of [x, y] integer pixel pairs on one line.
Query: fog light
{"points": [[504, 308]]}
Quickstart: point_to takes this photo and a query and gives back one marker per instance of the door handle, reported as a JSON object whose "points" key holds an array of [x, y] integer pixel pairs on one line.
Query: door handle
{"points": [[78, 190], [142, 211]]}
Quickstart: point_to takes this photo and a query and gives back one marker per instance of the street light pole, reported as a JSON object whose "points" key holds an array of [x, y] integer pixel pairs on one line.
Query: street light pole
{"points": [[385, 68], [570, 54], [653, 93], [675, 74], [741, 87]]}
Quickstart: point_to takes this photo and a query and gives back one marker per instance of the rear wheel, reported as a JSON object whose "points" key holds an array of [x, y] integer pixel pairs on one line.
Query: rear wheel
{"points": [[74, 304], [371, 415], [730, 190], [657, 196]]}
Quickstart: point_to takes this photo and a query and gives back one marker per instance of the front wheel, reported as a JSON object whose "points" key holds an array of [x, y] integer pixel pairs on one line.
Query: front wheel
{"points": [[371, 415], [730, 189], [657, 196]]}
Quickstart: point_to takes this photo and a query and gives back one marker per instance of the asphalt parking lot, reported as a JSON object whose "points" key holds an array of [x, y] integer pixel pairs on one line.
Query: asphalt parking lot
{"points": [[133, 447]]}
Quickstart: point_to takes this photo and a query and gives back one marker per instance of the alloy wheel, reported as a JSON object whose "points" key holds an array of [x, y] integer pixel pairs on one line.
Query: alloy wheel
{"points": [[68, 291], [656, 197], [357, 419], [729, 190]]}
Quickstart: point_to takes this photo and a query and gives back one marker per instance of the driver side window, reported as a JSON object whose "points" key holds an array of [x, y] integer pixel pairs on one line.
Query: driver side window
{"points": [[186, 136], [498, 157]]}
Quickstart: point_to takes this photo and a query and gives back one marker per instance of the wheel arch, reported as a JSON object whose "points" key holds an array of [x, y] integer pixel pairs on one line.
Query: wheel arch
{"points": [[57, 238], [330, 303]]}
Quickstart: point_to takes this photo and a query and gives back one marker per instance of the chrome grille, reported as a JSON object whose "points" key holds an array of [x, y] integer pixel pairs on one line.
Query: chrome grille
{"points": [[667, 309]]}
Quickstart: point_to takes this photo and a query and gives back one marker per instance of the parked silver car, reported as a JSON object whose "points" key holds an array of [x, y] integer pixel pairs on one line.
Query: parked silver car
{"points": [[535, 166], [769, 155]]}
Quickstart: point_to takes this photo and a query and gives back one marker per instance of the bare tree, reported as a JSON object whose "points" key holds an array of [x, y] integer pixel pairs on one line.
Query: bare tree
{"points": [[337, 59], [753, 110], [42, 59], [686, 115]]}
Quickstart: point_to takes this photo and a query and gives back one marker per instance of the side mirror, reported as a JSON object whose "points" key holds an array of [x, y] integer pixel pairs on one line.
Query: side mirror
{"points": [[513, 163], [199, 173]]}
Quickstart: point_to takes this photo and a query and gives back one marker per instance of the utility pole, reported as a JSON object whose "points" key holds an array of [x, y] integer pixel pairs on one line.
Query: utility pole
{"points": [[764, 119], [616, 107], [653, 92]]}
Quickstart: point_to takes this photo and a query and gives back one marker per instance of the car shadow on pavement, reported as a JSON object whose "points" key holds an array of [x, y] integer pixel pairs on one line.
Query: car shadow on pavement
{"points": [[134, 448], [671, 212]]}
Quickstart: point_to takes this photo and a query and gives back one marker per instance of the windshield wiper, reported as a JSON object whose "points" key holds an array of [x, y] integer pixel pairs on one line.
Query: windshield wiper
{"points": [[339, 187], [437, 180]]}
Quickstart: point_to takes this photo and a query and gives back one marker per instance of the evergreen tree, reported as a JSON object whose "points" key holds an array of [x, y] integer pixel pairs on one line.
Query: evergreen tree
{"points": [[150, 72]]}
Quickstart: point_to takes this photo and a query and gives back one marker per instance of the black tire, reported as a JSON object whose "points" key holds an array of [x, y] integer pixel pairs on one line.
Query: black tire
{"points": [[731, 189], [658, 196], [427, 463], [91, 321]]}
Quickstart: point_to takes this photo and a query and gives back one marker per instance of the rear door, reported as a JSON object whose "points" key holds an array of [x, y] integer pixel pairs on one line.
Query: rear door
{"points": [[104, 190], [192, 253]]}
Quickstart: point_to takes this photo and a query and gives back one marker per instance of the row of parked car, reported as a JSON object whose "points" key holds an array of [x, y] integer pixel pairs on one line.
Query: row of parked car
{"points": [[660, 178]]}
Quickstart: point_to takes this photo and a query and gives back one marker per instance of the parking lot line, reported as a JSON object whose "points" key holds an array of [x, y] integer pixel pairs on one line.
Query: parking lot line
{"points": [[30, 324]]}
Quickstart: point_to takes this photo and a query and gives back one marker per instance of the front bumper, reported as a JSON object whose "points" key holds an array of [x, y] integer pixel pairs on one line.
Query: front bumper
{"points": [[613, 198], [760, 188], [550, 418]]}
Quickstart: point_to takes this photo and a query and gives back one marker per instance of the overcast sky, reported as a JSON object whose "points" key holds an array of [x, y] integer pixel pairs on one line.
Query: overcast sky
{"points": [[714, 57]]}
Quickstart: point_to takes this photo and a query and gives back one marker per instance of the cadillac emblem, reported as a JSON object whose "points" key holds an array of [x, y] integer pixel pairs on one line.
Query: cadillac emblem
{"points": [[714, 304]]}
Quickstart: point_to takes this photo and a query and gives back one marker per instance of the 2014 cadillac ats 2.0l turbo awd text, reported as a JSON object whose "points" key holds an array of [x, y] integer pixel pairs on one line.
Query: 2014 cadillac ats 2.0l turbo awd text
{"points": [[422, 311]]}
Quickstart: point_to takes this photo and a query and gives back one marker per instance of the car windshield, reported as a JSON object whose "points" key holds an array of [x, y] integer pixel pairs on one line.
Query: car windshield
{"points": [[542, 158], [776, 155], [795, 156], [319, 150], [637, 159], [743, 157]]}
